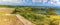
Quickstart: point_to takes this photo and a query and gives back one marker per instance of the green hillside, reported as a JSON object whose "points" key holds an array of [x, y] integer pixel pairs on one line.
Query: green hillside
{"points": [[37, 15], [30, 14]]}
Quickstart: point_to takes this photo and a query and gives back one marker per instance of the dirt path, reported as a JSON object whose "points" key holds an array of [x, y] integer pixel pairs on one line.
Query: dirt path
{"points": [[24, 21]]}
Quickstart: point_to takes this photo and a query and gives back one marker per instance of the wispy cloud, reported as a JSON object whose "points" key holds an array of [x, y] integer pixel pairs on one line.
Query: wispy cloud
{"points": [[36, 0], [55, 2], [7, 0], [33, 2], [13, 1]]}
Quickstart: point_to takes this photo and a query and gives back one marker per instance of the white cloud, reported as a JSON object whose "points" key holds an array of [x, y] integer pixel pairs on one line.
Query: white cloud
{"points": [[7, 0], [13, 1], [37, 0], [52, 2], [55, 2], [42, 1], [45, 1]]}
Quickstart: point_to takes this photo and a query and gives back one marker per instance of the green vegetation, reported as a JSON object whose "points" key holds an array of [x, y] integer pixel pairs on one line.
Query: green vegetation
{"points": [[36, 15], [30, 14]]}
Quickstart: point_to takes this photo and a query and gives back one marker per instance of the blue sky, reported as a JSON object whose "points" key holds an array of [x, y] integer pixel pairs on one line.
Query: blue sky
{"points": [[52, 3]]}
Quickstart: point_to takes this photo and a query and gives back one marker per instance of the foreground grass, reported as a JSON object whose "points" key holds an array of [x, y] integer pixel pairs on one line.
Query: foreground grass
{"points": [[9, 19]]}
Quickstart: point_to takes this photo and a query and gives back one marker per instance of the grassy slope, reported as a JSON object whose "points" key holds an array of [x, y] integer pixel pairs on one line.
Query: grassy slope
{"points": [[31, 14]]}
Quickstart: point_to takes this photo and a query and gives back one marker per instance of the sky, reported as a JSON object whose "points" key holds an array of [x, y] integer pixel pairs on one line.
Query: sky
{"points": [[51, 3], [48, 3]]}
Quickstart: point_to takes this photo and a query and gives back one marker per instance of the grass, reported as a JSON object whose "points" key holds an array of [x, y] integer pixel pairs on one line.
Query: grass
{"points": [[32, 14], [8, 19]]}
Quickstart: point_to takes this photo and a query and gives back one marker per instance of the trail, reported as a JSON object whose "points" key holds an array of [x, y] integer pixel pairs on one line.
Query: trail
{"points": [[24, 21]]}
